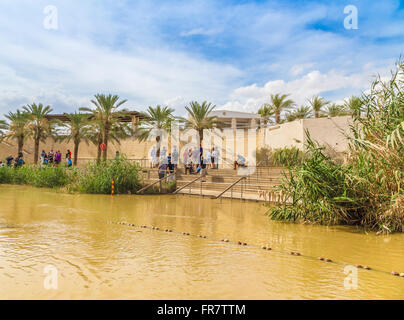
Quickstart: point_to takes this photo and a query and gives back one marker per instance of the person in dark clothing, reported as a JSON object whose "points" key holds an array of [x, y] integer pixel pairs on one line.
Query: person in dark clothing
{"points": [[19, 161], [162, 170], [9, 160], [200, 153]]}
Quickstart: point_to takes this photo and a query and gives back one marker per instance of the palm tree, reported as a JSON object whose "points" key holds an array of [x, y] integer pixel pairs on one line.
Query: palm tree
{"points": [[107, 115], [336, 110], [266, 113], [156, 120], [279, 103], [40, 126], [79, 129], [354, 105], [317, 104], [199, 117], [3, 126], [300, 113], [18, 128]]}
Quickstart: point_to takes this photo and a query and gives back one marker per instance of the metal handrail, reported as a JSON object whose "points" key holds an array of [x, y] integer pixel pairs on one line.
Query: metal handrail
{"points": [[155, 182], [229, 187], [187, 184]]}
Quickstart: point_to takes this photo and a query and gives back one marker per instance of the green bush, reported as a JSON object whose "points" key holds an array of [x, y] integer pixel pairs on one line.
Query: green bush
{"points": [[98, 175], [289, 156], [6, 175], [47, 177], [96, 178]]}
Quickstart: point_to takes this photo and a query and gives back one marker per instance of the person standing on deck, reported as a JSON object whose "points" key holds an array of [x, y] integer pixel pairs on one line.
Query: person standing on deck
{"points": [[153, 157], [175, 157], [162, 170], [200, 153]]}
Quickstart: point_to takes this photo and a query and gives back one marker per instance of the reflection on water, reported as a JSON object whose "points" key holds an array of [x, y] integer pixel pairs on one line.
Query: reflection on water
{"points": [[98, 260]]}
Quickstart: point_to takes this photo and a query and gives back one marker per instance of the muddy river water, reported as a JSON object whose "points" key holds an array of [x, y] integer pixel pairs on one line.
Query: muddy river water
{"points": [[62, 246]]}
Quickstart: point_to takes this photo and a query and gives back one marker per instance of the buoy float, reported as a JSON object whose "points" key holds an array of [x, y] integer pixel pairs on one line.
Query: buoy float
{"points": [[244, 244], [292, 253], [240, 243], [394, 273], [358, 266], [264, 247], [226, 240], [297, 253], [320, 258], [328, 260], [268, 248], [366, 267]]}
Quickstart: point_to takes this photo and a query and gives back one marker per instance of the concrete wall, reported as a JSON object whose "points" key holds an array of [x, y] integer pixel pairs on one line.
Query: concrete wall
{"points": [[329, 132]]}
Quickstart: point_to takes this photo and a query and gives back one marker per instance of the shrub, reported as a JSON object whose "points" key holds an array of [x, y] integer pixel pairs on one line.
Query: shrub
{"points": [[98, 175], [39, 177], [289, 156], [95, 178]]}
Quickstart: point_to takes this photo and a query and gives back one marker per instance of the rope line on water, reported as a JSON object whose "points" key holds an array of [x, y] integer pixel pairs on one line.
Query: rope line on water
{"points": [[264, 247]]}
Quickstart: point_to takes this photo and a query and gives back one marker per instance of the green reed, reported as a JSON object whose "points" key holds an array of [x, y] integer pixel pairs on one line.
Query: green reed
{"points": [[367, 189]]}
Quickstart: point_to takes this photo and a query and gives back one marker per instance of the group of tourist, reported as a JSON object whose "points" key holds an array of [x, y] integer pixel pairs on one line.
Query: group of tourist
{"points": [[13, 162], [193, 159], [55, 158]]}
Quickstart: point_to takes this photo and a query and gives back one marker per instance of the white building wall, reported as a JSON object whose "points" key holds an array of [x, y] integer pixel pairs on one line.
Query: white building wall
{"points": [[327, 131]]}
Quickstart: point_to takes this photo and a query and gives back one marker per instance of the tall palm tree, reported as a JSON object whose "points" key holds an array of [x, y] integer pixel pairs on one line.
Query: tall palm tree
{"points": [[156, 120], [40, 126], [79, 129], [317, 104], [199, 117], [354, 105], [279, 103], [336, 110], [302, 112], [18, 128], [107, 115], [266, 112]]}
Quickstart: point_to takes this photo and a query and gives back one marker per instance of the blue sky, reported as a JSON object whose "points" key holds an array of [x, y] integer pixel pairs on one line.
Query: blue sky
{"points": [[232, 53]]}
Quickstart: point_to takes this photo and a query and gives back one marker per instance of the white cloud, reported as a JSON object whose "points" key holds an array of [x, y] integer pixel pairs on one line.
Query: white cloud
{"points": [[251, 98], [79, 69], [199, 32], [298, 69]]}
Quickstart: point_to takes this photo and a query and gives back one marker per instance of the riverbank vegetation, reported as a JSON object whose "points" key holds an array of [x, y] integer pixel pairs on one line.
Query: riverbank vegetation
{"points": [[288, 156], [367, 190], [95, 178]]}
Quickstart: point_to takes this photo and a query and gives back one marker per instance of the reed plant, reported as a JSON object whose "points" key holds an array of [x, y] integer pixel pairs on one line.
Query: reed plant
{"points": [[47, 177], [96, 178], [288, 156], [368, 189]]}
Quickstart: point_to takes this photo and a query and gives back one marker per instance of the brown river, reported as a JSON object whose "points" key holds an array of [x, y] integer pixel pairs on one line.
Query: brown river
{"points": [[72, 240]]}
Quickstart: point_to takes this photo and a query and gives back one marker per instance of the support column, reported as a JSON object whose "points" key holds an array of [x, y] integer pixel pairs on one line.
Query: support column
{"points": [[234, 123]]}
